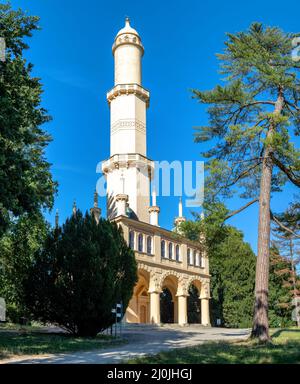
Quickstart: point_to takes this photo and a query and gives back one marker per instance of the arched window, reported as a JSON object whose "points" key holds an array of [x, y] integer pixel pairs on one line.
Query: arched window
{"points": [[163, 248], [170, 251], [140, 242], [149, 244], [194, 258], [131, 239], [177, 253]]}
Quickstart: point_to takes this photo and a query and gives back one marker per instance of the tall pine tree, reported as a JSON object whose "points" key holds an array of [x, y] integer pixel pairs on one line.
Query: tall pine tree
{"points": [[253, 118]]}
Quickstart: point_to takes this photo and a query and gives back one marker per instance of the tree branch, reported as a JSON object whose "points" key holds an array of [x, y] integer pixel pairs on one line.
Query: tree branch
{"points": [[282, 225], [292, 105], [242, 175], [241, 209], [242, 107], [289, 173]]}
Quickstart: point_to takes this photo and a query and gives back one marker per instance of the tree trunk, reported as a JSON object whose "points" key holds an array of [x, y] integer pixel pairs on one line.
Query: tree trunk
{"points": [[294, 282], [260, 328]]}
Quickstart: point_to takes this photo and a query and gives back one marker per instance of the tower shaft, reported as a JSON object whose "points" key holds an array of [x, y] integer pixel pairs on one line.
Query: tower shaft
{"points": [[128, 170]]}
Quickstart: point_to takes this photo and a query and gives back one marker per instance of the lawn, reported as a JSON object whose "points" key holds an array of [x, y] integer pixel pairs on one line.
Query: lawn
{"points": [[285, 348], [34, 341]]}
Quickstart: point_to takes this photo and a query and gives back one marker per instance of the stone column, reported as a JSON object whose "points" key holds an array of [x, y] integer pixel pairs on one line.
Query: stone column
{"points": [[182, 309], [156, 248], [154, 307], [153, 215], [121, 202], [205, 311]]}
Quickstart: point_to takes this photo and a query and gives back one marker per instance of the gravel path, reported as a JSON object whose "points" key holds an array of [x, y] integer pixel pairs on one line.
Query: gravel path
{"points": [[142, 340]]}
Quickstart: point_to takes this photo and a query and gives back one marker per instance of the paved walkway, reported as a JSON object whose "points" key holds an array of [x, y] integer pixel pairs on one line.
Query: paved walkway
{"points": [[142, 340]]}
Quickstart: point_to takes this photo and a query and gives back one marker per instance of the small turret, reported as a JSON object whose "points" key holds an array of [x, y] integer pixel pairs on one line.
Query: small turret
{"points": [[180, 218], [96, 211], [154, 210]]}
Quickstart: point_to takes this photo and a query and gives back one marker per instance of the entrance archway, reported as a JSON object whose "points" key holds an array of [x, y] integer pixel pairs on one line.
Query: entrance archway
{"points": [[166, 306], [193, 305], [169, 300], [138, 310]]}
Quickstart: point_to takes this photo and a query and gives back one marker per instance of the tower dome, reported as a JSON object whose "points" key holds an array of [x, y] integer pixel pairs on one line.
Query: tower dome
{"points": [[128, 35], [127, 29]]}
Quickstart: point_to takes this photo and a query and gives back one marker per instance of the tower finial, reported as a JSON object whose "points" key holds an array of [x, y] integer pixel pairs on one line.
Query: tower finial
{"points": [[154, 197], [180, 207], [127, 21]]}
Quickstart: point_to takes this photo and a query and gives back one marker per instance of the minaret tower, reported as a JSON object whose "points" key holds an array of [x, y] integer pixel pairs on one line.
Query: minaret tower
{"points": [[128, 170]]}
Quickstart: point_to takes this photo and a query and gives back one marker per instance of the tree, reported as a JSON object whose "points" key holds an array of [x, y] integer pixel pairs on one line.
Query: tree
{"points": [[83, 270], [286, 232], [252, 118], [17, 248], [280, 297], [232, 267], [26, 183]]}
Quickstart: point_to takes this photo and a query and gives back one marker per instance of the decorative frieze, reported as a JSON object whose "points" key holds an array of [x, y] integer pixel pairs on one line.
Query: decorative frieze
{"points": [[128, 124]]}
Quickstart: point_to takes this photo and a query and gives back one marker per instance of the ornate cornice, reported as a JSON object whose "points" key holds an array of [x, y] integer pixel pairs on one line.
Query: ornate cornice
{"points": [[127, 161], [129, 89]]}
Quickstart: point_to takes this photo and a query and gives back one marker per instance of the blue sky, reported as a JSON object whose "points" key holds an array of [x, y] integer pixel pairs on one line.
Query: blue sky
{"points": [[72, 55]]}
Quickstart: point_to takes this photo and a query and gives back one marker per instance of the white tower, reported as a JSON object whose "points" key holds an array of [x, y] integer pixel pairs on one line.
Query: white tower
{"points": [[128, 170]]}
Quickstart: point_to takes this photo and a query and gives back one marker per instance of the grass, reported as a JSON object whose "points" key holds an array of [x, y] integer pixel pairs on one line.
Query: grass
{"points": [[284, 349], [34, 341]]}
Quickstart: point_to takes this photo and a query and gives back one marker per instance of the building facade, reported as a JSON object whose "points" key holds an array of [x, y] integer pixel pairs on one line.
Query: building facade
{"points": [[168, 263]]}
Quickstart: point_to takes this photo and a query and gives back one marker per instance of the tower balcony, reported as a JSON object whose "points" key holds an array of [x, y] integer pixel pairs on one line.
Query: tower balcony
{"points": [[126, 161], [129, 89]]}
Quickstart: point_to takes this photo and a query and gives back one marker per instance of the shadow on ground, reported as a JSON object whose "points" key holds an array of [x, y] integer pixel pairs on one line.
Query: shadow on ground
{"points": [[142, 341]]}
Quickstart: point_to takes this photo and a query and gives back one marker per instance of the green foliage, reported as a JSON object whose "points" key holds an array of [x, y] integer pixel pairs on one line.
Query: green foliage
{"points": [[40, 341], [285, 259], [84, 269], [259, 73], [253, 117], [280, 295], [232, 268], [26, 183], [17, 249], [193, 306]]}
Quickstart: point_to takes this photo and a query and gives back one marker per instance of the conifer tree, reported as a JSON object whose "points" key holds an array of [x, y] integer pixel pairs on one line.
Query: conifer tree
{"points": [[280, 290], [26, 183], [84, 269], [286, 233], [252, 119]]}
